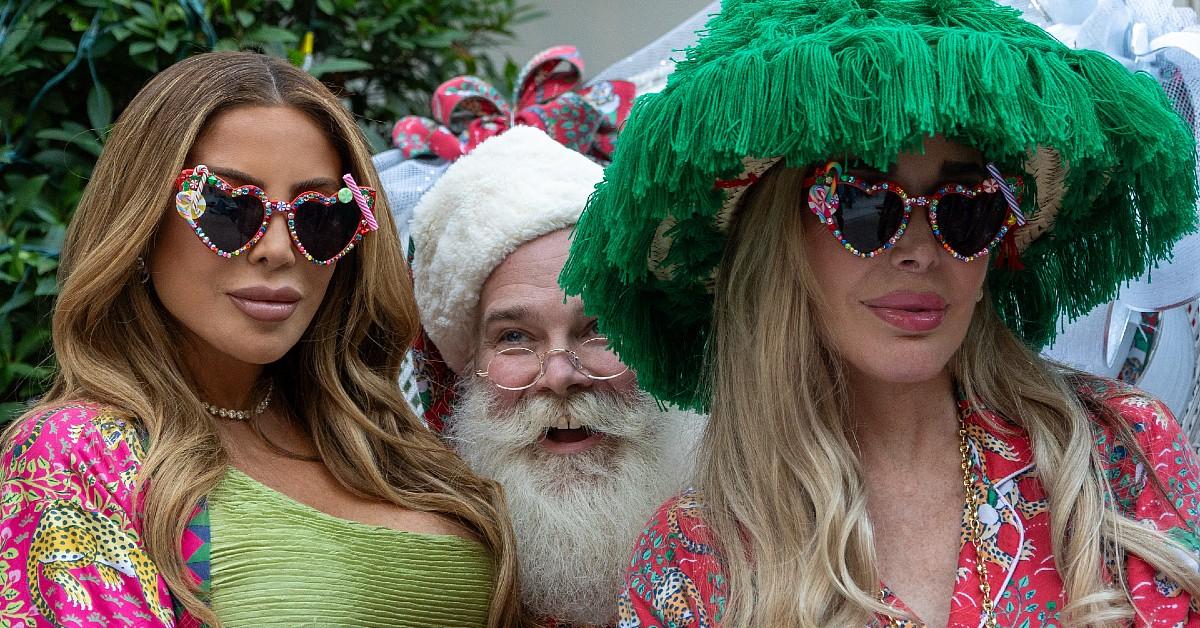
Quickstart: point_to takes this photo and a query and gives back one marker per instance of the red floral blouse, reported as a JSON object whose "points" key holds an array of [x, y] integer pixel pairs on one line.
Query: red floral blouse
{"points": [[675, 578]]}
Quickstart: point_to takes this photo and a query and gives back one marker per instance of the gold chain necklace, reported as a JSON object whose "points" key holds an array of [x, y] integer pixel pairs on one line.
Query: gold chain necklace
{"points": [[974, 527]]}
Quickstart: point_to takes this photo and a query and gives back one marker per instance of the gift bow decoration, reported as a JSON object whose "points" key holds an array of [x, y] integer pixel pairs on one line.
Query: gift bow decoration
{"points": [[550, 96]]}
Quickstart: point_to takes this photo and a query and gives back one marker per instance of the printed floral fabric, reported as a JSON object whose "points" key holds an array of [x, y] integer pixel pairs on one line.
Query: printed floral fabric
{"points": [[71, 552], [675, 578]]}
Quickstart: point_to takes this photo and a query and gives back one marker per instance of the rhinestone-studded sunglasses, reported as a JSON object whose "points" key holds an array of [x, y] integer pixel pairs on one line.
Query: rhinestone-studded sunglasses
{"points": [[230, 220], [869, 217]]}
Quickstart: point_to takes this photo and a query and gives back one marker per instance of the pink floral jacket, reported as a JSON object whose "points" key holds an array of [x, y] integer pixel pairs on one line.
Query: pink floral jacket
{"points": [[675, 578], [71, 550]]}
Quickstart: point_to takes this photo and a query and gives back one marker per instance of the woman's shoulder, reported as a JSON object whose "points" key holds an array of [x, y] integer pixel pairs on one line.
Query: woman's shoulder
{"points": [[680, 516], [1141, 441], [1104, 389], [69, 483], [676, 536], [674, 572], [1147, 417], [78, 436]]}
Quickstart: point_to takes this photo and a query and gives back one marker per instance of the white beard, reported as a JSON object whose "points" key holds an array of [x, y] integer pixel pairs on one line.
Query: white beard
{"points": [[576, 516]]}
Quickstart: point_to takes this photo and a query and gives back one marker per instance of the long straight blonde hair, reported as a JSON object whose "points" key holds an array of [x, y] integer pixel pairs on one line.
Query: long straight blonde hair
{"points": [[782, 481], [116, 344]]}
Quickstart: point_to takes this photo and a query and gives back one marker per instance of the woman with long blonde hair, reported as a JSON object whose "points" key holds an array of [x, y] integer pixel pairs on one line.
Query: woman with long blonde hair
{"points": [[225, 441], [844, 227]]}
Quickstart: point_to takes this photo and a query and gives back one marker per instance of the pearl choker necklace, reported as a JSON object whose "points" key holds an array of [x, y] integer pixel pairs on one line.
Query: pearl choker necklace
{"points": [[241, 415]]}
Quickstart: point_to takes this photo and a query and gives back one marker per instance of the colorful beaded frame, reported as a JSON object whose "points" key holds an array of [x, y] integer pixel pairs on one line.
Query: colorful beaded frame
{"points": [[192, 181], [824, 202]]}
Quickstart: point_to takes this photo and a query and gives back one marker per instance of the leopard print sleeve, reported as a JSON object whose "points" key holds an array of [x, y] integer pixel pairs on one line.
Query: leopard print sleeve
{"points": [[674, 578], [1171, 504], [70, 553]]}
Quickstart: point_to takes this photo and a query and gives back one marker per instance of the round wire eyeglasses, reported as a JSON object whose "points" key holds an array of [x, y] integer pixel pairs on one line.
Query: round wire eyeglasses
{"points": [[518, 368]]}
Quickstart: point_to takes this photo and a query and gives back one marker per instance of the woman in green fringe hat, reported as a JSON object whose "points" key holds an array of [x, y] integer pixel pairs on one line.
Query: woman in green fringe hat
{"points": [[845, 228]]}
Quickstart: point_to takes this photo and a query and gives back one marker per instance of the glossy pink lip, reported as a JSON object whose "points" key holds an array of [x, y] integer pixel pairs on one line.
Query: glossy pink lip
{"points": [[910, 311], [269, 305]]}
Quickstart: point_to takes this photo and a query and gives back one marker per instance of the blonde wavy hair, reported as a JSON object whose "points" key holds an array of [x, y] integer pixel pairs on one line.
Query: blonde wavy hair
{"points": [[116, 344], [782, 481]]}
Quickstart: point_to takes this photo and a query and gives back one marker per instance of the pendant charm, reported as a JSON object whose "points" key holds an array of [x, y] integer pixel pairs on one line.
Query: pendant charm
{"points": [[190, 204]]}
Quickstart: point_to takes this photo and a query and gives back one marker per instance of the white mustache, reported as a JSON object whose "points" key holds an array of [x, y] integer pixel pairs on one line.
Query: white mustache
{"points": [[620, 416]]}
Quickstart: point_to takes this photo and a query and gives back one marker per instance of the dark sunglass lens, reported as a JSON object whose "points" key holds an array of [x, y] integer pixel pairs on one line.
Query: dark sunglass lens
{"points": [[325, 230], [969, 225], [868, 221], [228, 221]]}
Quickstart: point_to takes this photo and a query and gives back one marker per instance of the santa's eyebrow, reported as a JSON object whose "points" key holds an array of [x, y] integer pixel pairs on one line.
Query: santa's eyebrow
{"points": [[514, 313]]}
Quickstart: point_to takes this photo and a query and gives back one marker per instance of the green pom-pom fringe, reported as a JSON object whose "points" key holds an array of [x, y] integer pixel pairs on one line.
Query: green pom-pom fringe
{"points": [[804, 80]]}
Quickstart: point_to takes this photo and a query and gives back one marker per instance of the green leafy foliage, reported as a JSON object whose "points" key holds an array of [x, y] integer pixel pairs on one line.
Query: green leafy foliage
{"points": [[67, 68]]}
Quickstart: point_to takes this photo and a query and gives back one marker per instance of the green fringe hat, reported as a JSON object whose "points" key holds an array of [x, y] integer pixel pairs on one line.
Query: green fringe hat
{"points": [[1111, 169]]}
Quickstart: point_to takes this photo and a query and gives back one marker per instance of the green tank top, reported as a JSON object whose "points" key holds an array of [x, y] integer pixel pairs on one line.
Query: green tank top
{"points": [[277, 562]]}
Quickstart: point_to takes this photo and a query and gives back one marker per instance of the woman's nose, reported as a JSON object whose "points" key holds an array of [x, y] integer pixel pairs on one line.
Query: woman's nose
{"points": [[918, 249]]}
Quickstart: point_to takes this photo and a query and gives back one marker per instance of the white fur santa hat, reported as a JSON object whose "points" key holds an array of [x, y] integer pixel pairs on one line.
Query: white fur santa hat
{"points": [[510, 189]]}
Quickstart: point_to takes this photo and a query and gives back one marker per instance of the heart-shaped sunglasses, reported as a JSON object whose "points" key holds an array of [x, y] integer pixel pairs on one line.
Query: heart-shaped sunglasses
{"points": [[868, 217], [230, 220]]}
